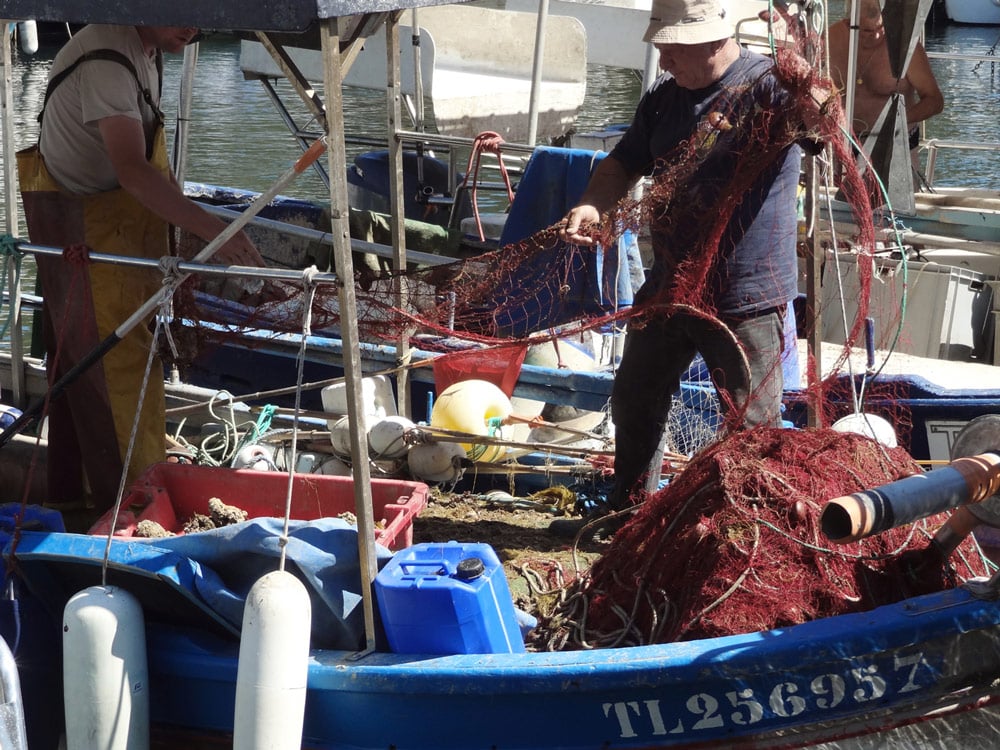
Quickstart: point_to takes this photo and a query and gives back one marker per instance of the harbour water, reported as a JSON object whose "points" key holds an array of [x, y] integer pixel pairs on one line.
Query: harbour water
{"points": [[237, 137]]}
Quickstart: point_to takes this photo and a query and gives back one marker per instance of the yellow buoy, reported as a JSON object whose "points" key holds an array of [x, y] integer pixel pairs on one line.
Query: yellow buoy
{"points": [[470, 406]]}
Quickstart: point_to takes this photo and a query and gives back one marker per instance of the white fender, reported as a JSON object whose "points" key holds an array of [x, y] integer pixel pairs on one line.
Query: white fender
{"points": [[13, 734], [27, 34], [436, 462], [257, 457], [105, 675], [869, 425], [340, 437], [385, 437], [273, 665], [467, 406]]}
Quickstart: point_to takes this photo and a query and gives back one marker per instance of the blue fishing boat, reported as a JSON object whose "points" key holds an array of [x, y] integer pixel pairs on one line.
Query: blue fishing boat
{"points": [[897, 674]]}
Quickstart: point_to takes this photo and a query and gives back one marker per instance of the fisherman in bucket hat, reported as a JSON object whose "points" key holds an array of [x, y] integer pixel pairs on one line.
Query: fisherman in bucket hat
{"points": [[715, 104]]}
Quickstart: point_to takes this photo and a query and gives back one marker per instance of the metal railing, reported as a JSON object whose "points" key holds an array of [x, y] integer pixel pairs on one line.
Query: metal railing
{"points": [[934, 145]]}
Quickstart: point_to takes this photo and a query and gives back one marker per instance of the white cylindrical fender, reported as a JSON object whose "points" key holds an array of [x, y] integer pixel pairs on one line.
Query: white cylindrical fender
{"points": [[273, 665], [340, 437], [385, 437], [869, 425], [436, 462], [333, 466], [468, 406], [257, 457], [13, 733], [105, 674], [27, 35]]}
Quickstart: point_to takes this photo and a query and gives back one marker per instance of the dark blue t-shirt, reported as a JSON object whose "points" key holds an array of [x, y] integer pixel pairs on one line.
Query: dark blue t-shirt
{"points": [[734, 168]]}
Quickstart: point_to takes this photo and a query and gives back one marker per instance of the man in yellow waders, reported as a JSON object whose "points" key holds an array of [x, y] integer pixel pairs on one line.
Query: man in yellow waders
{"points": [[99, 178]]}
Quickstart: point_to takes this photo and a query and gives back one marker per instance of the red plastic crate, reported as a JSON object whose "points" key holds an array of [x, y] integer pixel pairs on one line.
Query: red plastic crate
{"points": [[171, 493]]}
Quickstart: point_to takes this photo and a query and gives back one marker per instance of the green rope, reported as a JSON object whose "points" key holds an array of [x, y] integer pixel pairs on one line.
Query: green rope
{"points": [[493, 425], [262, 426]]}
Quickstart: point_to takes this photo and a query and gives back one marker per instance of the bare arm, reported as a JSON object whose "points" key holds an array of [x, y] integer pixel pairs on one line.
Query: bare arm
{"points": [[126, 145], [610, 183], [930, 100]]}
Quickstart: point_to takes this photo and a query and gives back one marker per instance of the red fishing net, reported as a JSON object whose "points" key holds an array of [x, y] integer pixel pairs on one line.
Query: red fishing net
{"points": [[733, 545]]}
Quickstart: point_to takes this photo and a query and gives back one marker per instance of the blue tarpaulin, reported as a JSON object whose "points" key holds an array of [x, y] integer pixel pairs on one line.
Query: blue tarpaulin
{"points": [[206, 576]]}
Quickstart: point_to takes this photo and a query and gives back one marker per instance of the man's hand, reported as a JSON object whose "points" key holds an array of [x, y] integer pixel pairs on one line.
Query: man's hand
{"points": [[238, 251], [580, 226]]}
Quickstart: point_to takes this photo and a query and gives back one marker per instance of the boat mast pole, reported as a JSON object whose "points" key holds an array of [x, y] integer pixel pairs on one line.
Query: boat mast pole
{"points": [[418, 75], [397, 210], [333, 81], [536, 70], [182, 132], [10, 203], [852, 64], [814, 258]]}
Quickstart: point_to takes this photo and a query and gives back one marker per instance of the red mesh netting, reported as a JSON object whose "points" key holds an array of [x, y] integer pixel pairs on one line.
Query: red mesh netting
{"points": [[733, 545]]}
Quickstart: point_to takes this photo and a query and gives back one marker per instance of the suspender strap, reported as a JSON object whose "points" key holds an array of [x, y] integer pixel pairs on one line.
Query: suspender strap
{"points": [[112, 56]]}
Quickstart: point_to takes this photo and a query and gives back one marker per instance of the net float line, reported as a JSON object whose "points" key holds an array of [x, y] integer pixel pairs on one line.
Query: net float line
{"points": [[965, 480]]}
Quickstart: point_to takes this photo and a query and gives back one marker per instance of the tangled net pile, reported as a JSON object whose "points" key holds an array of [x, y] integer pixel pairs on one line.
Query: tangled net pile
{"points": [[733, 545]]}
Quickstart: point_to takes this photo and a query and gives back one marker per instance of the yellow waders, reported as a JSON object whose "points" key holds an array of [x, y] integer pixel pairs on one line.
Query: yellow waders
{"points": [[83, 307]]}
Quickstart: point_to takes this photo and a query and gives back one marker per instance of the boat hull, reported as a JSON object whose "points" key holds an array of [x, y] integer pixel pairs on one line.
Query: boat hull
{"points": [[854, 675], [981, 12]]}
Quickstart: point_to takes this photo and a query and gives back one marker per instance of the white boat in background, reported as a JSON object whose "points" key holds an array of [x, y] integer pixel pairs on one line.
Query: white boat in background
{"points": [[615, 27], [477, 70], [982, 12]]}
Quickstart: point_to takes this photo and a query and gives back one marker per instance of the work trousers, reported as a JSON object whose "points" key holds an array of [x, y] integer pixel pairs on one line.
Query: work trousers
{"points": [[91, 423], [743, 357]]}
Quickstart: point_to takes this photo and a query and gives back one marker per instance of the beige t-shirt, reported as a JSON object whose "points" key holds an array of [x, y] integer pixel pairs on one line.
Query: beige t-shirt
{"points": [[70, 140]]}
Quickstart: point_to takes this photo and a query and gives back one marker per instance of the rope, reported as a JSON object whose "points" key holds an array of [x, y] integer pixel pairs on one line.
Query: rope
{"points": [[256, 430], [172, 278], [11, 253], [309, 289], [161, 316], [488, 142]]}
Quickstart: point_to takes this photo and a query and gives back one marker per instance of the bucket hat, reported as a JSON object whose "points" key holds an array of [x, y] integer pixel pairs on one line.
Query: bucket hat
{"points": [[688, 22]]}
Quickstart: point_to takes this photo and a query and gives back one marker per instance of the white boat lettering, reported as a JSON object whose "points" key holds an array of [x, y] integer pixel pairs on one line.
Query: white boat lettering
{"points": [[624, 712], [831, 685], [744, 699], [707, 707], [872, 686], [785, 700], [914, 661]]}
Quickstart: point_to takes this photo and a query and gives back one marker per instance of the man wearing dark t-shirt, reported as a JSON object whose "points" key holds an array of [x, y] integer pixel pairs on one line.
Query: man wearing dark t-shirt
{"points": [[712, 132]]}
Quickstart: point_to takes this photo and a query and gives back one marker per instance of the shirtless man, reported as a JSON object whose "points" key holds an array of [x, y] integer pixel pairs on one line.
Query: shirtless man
{"points": [[874, 82]]}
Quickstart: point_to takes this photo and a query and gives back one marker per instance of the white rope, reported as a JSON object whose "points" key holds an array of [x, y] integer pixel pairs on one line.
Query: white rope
{"points": [[309, 290], [119, 497]]}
